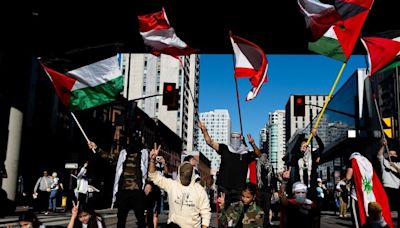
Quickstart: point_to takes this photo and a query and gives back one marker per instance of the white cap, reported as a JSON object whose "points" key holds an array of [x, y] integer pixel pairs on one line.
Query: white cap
{"points": [[54, 174], [299, 187], [319, 179]]}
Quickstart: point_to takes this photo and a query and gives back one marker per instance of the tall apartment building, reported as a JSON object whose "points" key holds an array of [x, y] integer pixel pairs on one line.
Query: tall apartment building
{"points": [[218, 124], [145, 75], [277, 139]]}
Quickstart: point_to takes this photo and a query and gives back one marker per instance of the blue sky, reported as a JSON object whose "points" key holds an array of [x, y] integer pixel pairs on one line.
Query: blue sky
{"points": [[288, 74]]}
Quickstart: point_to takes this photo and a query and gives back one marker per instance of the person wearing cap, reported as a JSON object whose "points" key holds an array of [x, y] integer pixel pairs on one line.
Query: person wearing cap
{"points": [[297, 211], [189, 205], [235, 160], [375, 218]]}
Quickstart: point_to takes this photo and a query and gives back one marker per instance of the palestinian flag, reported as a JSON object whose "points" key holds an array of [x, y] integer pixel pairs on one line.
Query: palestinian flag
{"points": [[368, 188], [250, 62], [88, 86], [339, 41], [383, 51], [160, 36], [319, 16]]}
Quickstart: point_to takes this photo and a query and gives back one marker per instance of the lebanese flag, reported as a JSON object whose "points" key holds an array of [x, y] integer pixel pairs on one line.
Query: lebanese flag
{"points": [[319, 16], [383, 51], [250, 62], [368, 188], [88, 86], [160, 36]]}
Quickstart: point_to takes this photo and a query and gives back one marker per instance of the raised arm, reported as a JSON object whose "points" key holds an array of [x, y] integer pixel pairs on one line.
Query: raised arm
{"points": [[207, 137], [253, 144], [321, 145]]}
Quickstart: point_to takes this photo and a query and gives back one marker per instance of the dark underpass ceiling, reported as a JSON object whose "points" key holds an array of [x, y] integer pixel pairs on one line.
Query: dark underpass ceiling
{"points": [[52, 27]]}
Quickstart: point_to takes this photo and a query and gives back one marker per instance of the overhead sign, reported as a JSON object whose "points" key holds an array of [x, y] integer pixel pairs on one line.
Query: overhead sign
{"points": [[71, 165]]}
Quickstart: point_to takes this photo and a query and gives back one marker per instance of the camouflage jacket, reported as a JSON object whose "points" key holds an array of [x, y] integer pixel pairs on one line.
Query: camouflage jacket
{"points": [[253, 217]]}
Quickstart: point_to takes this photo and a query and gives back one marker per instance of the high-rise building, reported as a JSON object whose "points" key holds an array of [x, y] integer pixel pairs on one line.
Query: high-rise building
{"points": [[145, 75], [264, 139], [276, 139], [218, 124]]}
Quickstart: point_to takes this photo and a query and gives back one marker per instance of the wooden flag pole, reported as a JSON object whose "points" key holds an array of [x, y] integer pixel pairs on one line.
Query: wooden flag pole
{"points": [[327, 100], [83, 132]]}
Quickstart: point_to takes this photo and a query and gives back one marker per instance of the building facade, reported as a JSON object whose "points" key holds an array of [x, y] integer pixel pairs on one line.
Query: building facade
{"points": [[218, 124], [145, 75], [276, 139]]}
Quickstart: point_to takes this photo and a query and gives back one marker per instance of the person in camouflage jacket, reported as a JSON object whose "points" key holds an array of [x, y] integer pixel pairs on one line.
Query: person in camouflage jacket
{"points": [[244, 213]]}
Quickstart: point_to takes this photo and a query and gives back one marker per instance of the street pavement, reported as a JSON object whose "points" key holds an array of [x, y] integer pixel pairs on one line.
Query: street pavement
{"points": [[61, 219]]}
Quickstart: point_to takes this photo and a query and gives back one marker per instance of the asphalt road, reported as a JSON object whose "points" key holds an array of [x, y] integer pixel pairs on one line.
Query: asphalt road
{"points": [[328, 219]]}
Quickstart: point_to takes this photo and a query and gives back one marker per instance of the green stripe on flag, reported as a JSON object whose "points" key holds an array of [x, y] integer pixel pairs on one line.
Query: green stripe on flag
{"points": [[395, 63], [93, 96], [329, 47]]}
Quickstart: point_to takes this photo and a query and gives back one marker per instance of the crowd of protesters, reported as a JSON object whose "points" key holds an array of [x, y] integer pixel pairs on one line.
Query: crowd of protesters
{"points": [[296, 195]]}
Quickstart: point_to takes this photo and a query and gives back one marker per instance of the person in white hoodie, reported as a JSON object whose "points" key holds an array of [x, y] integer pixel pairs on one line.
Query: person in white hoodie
{"points": [[188, 201]]}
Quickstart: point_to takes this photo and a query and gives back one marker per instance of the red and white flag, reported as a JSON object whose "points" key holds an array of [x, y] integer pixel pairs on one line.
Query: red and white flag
{"points": [[319, 16], [250, 62], [158, 34], [368, 188]]}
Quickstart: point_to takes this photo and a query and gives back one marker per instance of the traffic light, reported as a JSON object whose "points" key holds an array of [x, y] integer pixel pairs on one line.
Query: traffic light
{"points": [[170, 96], [299, 106], [388, 127]]}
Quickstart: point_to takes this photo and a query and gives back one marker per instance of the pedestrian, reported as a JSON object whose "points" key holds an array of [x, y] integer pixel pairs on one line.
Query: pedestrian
{"points": [[343, 196], [391, 175], [41, 192], [55, 187], [244, 213], [151, 198], [266, 183], [298, 210], [235, 159], [375, 218], [82, 185], [366, 187], [189, 205], [130, 177], [84, 216], [306, 160], [29, 220]]}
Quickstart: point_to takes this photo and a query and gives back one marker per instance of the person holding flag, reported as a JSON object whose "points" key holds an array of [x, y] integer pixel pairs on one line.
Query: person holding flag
{"points": [[366, 188], [390, 175]]}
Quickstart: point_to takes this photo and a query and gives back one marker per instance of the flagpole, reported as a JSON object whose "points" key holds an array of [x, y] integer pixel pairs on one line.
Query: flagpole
{"points": [[83, 132], [237, 97], [327, 100], [381, 125]]}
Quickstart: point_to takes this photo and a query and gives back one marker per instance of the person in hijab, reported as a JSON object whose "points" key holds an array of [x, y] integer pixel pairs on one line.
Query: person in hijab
{"points": [[235, 159], [189, 205]]}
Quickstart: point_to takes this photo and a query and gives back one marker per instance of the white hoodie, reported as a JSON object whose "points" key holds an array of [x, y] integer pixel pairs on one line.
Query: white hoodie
{"points": [[189, 205]]}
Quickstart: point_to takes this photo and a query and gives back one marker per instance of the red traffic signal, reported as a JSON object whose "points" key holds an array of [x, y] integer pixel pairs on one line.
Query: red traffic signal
{"points": [[169, 87], [170, 96], [299, 107]]}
